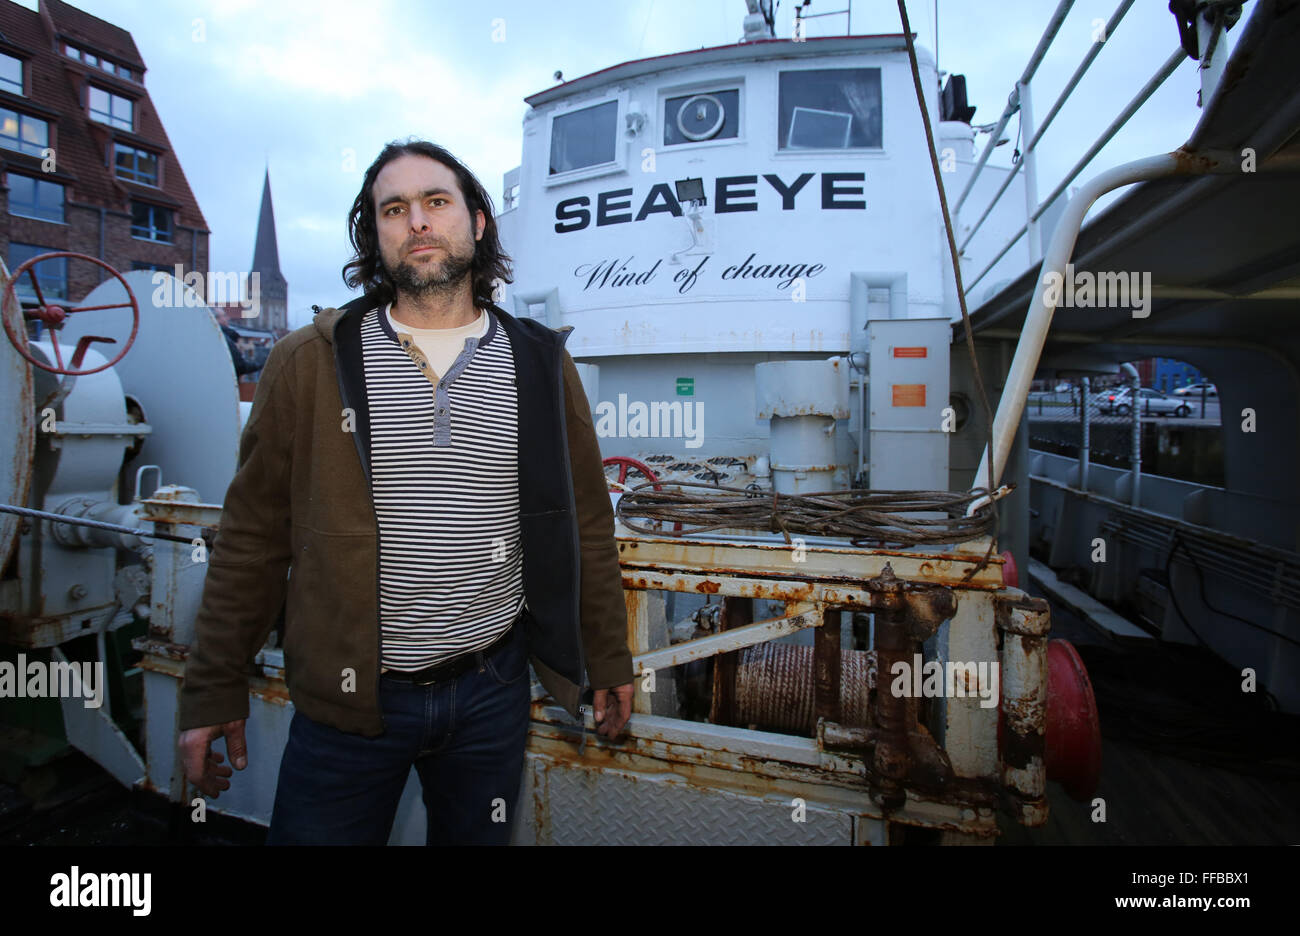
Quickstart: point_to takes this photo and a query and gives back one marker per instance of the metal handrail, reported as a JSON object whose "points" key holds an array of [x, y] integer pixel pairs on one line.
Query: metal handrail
{"points": [[1020, 101], [1156, 80], [1013, 101], [1093, 51]]}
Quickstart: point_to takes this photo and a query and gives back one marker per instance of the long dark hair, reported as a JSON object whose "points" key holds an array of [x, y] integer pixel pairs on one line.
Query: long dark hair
{"points": [[365, 269]]}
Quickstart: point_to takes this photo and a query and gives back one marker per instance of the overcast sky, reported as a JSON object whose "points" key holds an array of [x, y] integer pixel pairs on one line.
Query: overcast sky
{"points": [[314, 88]]}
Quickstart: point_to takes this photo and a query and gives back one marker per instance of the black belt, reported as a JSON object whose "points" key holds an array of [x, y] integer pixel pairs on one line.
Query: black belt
{"points": [[456, 666]]}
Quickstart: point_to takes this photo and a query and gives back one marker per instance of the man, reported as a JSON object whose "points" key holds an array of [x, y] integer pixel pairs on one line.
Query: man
{"points": [[424, 468]]}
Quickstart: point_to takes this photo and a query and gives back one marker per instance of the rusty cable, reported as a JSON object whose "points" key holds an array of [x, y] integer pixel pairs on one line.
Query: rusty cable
{"points": [[956, 270], [868, 518]]}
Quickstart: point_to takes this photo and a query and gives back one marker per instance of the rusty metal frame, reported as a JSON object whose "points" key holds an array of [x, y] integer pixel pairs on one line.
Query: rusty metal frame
{"points": [[893, 771]]}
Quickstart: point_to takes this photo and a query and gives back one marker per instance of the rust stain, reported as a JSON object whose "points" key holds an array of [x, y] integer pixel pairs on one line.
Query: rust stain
{"points": [[1192, 163], [709, 587]]}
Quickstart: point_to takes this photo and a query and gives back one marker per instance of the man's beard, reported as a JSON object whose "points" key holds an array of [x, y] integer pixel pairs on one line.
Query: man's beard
{"points": [[442, 278]]}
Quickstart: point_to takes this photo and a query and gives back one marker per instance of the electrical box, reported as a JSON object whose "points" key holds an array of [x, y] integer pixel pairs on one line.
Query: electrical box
{"points": [[908, 397]]}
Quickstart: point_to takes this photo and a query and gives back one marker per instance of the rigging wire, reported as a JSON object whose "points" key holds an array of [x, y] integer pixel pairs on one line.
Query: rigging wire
{"points": [[868, 518], [956, 266]]}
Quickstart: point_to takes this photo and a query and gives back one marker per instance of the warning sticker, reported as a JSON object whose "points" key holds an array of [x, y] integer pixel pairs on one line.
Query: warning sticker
{"points": [[909, 394], [910, 352]]}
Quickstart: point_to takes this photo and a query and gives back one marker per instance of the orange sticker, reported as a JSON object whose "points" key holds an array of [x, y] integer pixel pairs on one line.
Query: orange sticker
{"points": [[909, 394], [910, 352]]}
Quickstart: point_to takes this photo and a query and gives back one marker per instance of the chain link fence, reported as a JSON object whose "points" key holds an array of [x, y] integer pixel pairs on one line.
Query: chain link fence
{"points": [[1080, 418], [1108, 420]]}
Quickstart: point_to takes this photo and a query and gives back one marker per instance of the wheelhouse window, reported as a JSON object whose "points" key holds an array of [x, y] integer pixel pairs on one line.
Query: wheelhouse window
{"points": [[112, 109], [51, 274], [585, 137], [151, 222], [829, 108], [136, 165], [693, 118], [11, 74], [23, 133], [35, 198]]}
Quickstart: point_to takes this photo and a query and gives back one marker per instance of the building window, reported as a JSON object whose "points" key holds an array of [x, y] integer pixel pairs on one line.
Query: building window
{"points": [[829, 108], [35, 198], [156, 267], [51, 274], [23, 133], [584, 137], [71, 51], [691, 118], [135, 164], [151, 222], [112, 109], [11, 74]]}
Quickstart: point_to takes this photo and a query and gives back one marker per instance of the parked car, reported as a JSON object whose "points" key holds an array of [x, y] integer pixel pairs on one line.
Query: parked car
{"points": [[1119, 402], [1194, 390]]}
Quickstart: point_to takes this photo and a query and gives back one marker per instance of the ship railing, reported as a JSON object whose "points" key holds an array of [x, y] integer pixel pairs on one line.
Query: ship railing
{"points": [[1020, 101]]}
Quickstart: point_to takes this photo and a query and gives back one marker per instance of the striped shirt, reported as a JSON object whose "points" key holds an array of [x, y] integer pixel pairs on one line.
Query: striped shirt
{"points": [[445, 479]]}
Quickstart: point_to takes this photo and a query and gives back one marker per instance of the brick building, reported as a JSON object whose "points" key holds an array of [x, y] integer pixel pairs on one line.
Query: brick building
{"points": [[86, 164]]}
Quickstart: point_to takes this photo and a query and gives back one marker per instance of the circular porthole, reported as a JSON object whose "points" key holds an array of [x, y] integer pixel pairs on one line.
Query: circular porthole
{"points": [[961, 408], [700, 117]]}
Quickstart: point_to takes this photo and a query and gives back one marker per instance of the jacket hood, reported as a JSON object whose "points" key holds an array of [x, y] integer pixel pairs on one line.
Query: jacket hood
{"points": [[327, 319]]}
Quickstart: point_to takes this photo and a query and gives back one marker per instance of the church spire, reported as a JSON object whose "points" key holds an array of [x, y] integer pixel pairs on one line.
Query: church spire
{"points": [[266, 263]]}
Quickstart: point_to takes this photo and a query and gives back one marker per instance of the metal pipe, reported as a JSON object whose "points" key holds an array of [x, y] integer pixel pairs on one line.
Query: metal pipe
{"points": [[734, 638], [1209, 40], [1031, 174], [96, 525], [1039, 317], [1135, 439], [1013, 103], [1085, 444], [1024, 626]]}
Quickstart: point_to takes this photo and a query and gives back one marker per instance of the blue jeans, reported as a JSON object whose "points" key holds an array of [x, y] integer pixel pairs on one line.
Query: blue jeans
{"points": [[465, 738]]}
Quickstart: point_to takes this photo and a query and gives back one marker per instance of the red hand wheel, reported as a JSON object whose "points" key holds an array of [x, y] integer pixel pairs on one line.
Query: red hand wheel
{"points": [[626, 464], [54, 316]]}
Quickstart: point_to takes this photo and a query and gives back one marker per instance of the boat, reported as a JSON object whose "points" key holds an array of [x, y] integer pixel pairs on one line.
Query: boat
{"points": [[807, 309]]}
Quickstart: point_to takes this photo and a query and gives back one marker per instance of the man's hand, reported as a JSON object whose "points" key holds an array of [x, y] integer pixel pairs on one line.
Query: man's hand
{"points": [[203, 766], [613, 707]]}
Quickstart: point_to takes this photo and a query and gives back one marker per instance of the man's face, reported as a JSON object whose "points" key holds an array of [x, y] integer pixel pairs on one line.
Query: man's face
{"points": [[427, 238]]}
